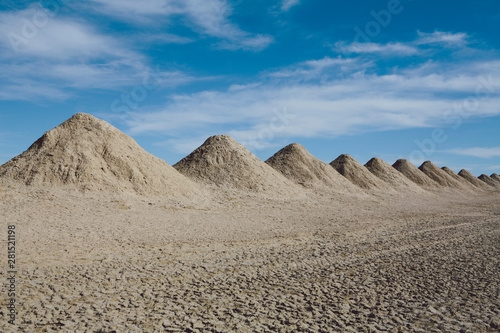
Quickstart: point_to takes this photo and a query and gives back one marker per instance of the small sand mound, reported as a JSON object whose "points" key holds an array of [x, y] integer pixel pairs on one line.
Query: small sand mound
{"points": [[459, 179], [92, 155], [223, 162], [414, 174], [472, 179], [298, 165], [357, 173], [496, 177], [488, 180], [390, 175], [438, 175]]}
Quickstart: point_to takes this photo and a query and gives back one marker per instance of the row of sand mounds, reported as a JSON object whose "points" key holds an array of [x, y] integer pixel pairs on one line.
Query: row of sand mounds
{"points": [[440, 176], [223, 162], [92, 155], [357, 173], [299, 166], [414, 174], [390, 175]]}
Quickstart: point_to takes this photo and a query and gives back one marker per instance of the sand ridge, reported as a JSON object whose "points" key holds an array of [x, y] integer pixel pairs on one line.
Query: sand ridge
{"points": [[390, 175], [414, 174], [472, 179], [357, 173]]}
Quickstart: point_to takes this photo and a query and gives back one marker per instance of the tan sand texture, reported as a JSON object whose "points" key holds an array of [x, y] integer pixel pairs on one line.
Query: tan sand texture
{"points": [[390, 175], [414, 174], [472, 179], [223, 162], [92, 155], [459, 179], [440, 176], [357, 173], [488, 180], [298, 165]]}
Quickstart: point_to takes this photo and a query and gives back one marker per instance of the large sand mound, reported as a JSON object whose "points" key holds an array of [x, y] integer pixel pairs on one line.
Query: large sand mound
{"points": [[90, 154], [390, 175], [472, 179], [490, 181], [298, 165], [414, 174], [357, 173], [439, 176], [459, 179], [223, 162]]}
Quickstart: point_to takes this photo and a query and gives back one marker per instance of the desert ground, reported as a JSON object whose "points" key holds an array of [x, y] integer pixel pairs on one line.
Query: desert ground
{"points": [[110, 239]]}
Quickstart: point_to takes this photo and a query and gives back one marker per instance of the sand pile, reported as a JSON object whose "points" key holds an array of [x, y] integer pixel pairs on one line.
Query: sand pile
{"points": [[439, 176], [488, 180], [357, 173], [459, 179], [390, 175], [496, 177], [223, 162], [90, 154], [298, 165], [414, 174], [472, 179]]}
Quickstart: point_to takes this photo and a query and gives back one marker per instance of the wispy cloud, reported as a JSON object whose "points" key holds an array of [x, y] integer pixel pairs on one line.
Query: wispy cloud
{"points": [[477, 152], [207, 17], [323, 104], [287, 4], [393, 49], [442, 38]]}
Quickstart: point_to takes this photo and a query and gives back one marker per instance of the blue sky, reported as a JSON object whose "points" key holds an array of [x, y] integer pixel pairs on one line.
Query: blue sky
{"points": [[413, 79]]}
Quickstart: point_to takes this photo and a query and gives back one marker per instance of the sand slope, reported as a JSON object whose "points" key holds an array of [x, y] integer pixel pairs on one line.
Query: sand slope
{"points": [[90, 154], [414, 174], [459, 179], [472, 179], [496, 177], [490, 181], [298, 165], [223, 162], [439, 176], [357, 173], [390, 175]]}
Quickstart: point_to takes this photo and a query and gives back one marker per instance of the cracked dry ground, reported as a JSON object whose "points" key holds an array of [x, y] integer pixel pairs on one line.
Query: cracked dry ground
{"points": [[437, 275]]}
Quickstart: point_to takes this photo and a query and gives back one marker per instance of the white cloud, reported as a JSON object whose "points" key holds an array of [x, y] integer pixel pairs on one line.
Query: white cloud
{"points": [[207, 17], [443, 38], [477, 152], [287, 4], [327, 106], [389, 49]]}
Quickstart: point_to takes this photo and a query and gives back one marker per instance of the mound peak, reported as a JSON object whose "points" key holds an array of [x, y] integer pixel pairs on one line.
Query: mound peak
{"points": [[357, 173], [459, 179], [222, 161], [91, 154], [390, 175], [439, 176], [472, 179], [414, 174], [298, 165], [488, 180], [495, 176]]}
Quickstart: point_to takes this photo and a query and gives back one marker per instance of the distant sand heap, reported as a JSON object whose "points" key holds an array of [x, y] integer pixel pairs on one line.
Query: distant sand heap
{"points": [[223, 162], [92, 155], [357, 173], [298, 165], [390, 175], [472, 179], [414, 174], [490, 181], [440, 176], [459, 179], [496, 177]]}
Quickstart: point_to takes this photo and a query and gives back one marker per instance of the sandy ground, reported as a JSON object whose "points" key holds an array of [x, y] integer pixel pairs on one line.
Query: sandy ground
{"points": [[244, 263]]}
